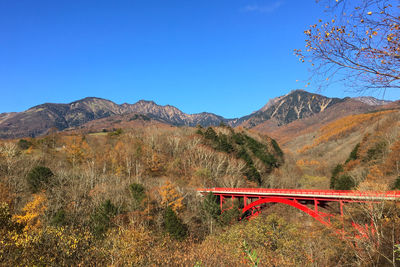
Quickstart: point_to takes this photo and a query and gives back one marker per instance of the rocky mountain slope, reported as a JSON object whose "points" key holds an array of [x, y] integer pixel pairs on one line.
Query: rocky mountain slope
{"points": [[285, 133], [296, 105], [40, 119], [372, 101], [279, 111]]}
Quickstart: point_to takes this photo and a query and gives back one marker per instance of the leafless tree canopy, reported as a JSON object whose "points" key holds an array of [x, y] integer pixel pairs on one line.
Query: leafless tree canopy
{"points": [[360, 45]]}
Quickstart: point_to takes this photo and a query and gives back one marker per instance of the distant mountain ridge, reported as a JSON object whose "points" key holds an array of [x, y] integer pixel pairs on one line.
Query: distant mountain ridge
{"points": [[372, 101], [38, 120]]}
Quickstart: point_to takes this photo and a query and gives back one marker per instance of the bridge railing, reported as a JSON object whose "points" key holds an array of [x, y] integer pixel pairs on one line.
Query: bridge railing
{"points": [[345, 193]]}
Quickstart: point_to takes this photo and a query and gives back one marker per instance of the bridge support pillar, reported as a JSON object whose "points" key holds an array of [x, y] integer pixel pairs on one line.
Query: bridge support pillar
{"points": [[341, 207]]}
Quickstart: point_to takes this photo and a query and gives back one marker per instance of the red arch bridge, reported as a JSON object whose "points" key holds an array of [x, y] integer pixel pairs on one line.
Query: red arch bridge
{"points": [[307, 200]]}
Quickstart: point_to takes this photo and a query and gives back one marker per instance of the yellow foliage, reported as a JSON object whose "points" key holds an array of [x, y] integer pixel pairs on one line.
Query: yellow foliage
{"points": [[313, 182], [31, 248], [76, 148], [130, 246], [33, 210], [305, 162], [171, 197], [373, 180], [156, 164]]}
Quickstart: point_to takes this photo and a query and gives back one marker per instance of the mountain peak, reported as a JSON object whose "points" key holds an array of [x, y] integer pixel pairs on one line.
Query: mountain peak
{"points": [[372, 101], [142, 101], [295, 105]]}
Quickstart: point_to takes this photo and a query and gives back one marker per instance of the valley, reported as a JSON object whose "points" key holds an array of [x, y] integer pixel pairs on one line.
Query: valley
{"points": [[120, 183]]}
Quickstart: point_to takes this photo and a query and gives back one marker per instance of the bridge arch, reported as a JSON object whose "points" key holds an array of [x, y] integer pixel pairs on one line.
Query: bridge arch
{"points": [[289, 202]]}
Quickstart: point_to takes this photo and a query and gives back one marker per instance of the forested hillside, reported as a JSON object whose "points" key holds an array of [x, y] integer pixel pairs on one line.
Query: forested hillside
{"points": [[128, 197]]}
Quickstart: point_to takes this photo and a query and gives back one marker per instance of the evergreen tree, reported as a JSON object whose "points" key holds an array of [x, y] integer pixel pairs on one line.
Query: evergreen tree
{"points": [[38, 177], [335, 173], [101, 218], [353, 155], [211, 207], [344, 182], [396, 185], [210, 134], [24, 144], [173, 225], [138, 194], [278, 150]]}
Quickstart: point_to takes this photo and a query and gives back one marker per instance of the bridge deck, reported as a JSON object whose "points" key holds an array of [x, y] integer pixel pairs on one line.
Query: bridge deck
{"points": [[306, 193]]}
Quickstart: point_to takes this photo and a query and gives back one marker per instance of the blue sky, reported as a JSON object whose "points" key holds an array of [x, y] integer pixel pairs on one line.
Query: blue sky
{"points": [[222, 56]]}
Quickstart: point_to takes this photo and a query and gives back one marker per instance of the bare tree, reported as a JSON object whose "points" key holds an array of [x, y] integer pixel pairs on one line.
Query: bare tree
{"points": [[360, 45]]}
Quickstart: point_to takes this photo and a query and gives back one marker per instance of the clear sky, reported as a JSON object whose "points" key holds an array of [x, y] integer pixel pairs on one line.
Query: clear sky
{"points": [[228, 57]]}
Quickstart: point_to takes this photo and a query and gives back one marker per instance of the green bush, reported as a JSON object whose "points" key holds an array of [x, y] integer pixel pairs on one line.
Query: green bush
{"points": [[223, 144], [115, 132], [173, 225], [24, 144], [396, 185], [231, 212], [59, 218], [210, 206], [238, 138], [210, 134], [344, 182], [353, 155], [278, 150], [376, 152], [138, 194], [335, 173], [38, 177], [101, 218]]}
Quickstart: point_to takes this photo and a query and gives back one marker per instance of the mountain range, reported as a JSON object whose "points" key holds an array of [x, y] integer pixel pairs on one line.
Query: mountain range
{"points": [[283, 110]]}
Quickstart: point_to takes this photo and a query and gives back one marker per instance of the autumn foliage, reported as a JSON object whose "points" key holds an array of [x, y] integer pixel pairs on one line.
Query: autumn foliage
{"points": [[130, 199]]}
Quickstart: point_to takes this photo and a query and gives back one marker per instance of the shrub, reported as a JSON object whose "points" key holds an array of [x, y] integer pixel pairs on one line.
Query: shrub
{"points": [[335, 172], [59, 218], [116, 132], [101, 218], [396, 185], [210, 134], [223, 144], [211, 207], [24, 144], [138, 194], [278, 150], [38, 177], [344, 182], [173, 225], [376, 152], [353, 155]]}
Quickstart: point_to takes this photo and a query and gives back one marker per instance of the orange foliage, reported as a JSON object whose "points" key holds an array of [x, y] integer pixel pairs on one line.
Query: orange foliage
{"points": [[171, 197], [33, 210], [351, 165], [375, 174], [156, 164], [342, 127], [305, 162], [76, 149]]}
